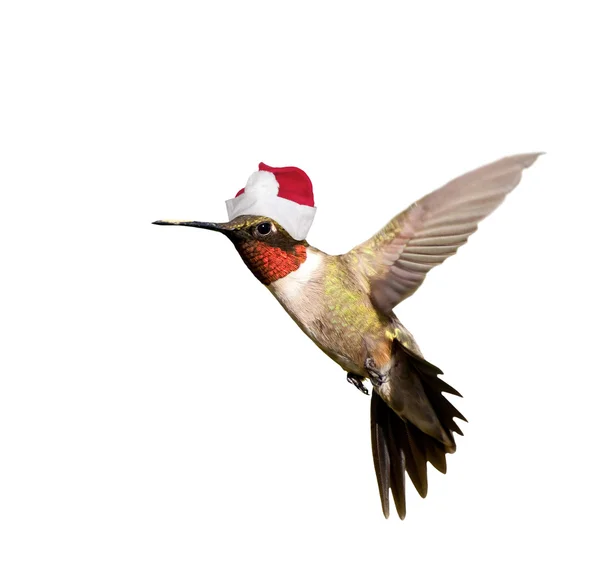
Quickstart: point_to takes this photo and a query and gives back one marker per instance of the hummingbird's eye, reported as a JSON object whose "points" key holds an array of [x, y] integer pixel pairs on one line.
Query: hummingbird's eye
{"points": [[264, 228]]}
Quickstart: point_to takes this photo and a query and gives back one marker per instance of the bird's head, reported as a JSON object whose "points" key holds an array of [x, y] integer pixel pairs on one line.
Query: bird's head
{"points": [[268, 250]]}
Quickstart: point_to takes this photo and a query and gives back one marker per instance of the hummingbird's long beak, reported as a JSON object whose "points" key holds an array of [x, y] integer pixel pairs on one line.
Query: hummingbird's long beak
{"points": [[219, 227]]}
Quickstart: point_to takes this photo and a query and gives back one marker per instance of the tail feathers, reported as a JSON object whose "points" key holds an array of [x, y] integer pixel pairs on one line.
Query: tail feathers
{"points": [[434, 388], [381, 443], [400, 447]]}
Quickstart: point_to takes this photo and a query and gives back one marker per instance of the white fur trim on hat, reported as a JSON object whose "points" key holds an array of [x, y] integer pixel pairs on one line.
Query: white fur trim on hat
{"points": [[260, 199]]}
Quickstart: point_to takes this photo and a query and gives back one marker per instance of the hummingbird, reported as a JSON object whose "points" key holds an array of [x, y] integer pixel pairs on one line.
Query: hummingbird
{"points": [[344, 303]]}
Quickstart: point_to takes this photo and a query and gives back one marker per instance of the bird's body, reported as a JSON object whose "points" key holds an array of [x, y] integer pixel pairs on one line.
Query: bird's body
{"points": [[345, 303], [329, 300]]}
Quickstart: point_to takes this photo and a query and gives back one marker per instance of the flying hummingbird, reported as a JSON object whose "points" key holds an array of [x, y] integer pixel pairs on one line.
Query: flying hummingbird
{"points": [[344, 303]]}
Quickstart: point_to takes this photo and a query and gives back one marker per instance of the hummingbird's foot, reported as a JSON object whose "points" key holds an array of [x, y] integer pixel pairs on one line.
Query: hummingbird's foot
{"points": [[376, 377], [357, 381]]}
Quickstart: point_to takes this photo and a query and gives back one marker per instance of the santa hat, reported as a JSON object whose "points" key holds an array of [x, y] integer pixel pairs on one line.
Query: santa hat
{"points": [[283, 194]]}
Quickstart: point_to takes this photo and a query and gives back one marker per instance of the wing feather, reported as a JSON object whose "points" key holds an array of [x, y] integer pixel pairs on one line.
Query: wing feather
{"points": [[397, 259]]}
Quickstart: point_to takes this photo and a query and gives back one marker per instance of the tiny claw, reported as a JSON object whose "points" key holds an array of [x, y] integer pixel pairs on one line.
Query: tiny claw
{"points": [[357, 381]]}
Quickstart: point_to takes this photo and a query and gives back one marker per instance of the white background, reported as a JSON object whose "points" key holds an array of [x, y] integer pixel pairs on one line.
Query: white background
{"points": [[161, 418]]}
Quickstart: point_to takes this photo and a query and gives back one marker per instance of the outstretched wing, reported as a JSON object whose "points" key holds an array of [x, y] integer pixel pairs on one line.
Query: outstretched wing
{"points": [[397, 259]]}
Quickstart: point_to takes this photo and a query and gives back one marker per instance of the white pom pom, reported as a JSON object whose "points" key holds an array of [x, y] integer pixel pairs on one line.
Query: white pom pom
{"points": [[262, 185]]}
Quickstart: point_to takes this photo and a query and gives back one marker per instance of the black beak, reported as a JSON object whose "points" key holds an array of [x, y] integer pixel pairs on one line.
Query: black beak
{"points": [[217, 226]]}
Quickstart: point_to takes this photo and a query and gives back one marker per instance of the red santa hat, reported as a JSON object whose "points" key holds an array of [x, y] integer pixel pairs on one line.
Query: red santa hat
{"points": [[283, 194]]}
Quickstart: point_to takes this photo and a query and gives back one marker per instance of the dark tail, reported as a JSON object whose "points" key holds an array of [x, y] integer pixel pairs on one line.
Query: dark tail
{"points": [[399, 447]]}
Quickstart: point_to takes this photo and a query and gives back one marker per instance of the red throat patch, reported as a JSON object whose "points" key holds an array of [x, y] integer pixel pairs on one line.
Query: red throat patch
{"points": [[270, 263]]}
